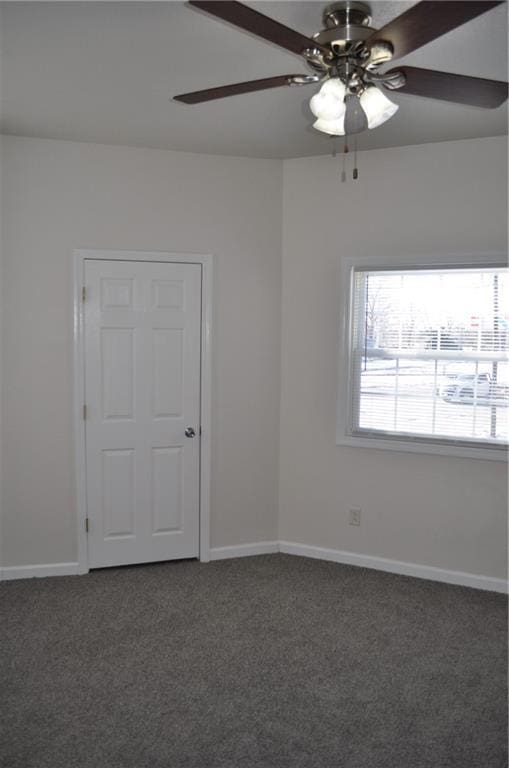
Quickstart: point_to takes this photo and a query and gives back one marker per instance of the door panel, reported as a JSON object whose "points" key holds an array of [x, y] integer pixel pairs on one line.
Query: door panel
{"points": [[166, 489], [142, 389], [168, 347], [117, 362], [118, 492]]}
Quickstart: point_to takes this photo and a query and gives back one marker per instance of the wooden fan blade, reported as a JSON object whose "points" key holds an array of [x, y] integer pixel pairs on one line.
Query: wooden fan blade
{"points": [[426, 21], [458, 88], [258, 24], [232, 90]]}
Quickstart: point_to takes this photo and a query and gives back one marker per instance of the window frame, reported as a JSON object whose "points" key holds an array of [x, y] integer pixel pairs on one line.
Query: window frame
{"points": [[344, 417]]}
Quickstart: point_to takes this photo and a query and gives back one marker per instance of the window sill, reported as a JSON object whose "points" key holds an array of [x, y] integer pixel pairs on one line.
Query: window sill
{"points": [[417, 446]]}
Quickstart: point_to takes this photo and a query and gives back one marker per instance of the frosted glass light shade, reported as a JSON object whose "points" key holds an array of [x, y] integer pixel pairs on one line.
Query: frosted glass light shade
{"points": [[377, 106], [328, 103], [332, 127]]}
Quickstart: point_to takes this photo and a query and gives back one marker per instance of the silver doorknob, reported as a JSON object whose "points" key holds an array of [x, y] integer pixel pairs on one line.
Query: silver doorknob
{"points": [[189, 432]]}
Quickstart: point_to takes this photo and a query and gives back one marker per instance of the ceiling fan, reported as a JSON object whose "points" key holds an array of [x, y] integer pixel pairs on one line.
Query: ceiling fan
{"points": [[346, 57]]}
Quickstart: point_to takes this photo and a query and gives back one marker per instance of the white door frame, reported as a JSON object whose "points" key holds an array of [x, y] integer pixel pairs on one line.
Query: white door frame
{"points": [[206, 262]]}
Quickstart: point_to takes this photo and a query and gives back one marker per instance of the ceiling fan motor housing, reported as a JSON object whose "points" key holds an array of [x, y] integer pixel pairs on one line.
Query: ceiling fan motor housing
{"points": [[346, 29]]}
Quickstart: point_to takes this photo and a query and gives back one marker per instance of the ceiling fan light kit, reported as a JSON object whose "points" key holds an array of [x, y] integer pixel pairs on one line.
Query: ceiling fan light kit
{"points": [[329, 105], [346, 57]]}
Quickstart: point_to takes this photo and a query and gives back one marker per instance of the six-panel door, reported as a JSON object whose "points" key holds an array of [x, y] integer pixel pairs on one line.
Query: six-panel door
{"points": [[142, 390]]}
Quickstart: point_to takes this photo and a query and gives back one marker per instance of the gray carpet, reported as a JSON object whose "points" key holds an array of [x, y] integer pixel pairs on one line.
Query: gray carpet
{"points": [[261, 662]]}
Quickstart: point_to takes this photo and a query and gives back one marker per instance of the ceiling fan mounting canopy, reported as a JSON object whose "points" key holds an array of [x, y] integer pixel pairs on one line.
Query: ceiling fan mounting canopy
{"points": [[347, 13], [346, 23]]}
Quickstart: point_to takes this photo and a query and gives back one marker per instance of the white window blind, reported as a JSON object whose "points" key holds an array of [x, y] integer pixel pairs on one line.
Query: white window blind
{"points": [[429, 355]]}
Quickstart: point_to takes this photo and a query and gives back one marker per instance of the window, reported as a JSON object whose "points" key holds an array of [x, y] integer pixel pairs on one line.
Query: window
{"points": [[428, 356]]}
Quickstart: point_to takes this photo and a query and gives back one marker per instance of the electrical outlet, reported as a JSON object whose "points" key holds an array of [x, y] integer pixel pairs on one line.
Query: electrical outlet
{"points": [[355, 516]]}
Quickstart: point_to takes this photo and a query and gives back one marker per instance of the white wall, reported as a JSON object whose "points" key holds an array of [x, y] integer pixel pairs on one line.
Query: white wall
{"points": [[1, 262], [433, 199], [443, 512], [59, 196]]}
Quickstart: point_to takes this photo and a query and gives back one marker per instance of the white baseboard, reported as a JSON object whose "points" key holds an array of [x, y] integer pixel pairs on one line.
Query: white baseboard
{"points": [[303, 550], [245, 550], [395, 566], [39, 571]]}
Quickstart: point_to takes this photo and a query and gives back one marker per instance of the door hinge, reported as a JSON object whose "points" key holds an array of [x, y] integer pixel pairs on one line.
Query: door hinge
{"points": [[84, 413], [84, 293], [86, 524]]}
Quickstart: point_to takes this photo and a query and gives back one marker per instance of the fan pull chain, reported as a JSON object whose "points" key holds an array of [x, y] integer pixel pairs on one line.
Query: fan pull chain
{"points": [[346, 150], [343, 157]]}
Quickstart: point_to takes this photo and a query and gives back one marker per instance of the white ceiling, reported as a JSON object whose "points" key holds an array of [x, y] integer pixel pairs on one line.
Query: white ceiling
{"points": [[105, 72]]}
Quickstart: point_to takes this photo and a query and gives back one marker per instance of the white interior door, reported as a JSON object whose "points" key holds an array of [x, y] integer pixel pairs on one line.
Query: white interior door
{"points": [[142, 392]]}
